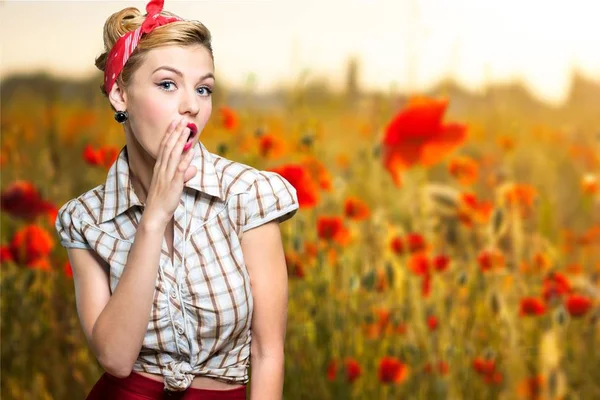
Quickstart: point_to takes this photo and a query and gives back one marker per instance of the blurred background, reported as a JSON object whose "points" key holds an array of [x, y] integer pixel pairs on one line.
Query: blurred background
{"points": [[446, 155]]}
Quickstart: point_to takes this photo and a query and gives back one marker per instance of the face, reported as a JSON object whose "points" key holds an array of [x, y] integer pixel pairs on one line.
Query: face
{"points": [[172, 82]]}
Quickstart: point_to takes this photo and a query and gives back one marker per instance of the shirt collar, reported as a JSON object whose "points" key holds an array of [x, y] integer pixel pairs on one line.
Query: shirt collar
{"points": [[118, 184]]}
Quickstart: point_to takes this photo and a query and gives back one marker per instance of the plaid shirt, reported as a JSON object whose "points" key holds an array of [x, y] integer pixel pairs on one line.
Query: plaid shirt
{"points": [[202, 308]]}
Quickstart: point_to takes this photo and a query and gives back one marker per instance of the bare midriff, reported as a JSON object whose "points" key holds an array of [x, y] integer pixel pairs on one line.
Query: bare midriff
{"points": [[199, 382]]}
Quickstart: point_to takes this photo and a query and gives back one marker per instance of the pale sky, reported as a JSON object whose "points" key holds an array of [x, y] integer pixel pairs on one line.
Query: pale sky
{"points": [[401, 43]]}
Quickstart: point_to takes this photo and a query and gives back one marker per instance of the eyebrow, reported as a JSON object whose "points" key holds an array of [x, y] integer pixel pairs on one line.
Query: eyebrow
{"points": [[176, 71]]}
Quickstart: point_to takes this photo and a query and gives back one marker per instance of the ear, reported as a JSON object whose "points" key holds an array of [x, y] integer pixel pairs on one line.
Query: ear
{"points": [[118, 98]]}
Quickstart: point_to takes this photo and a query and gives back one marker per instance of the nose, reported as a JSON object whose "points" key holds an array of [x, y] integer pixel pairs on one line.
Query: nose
{"points": [[189, 102]]}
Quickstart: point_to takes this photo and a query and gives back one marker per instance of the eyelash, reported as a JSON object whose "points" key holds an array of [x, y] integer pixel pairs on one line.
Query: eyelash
{"points": [[162, 85]]}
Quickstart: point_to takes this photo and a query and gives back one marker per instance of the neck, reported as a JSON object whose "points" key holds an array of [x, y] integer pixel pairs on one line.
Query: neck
{"points": [[141, 166]]}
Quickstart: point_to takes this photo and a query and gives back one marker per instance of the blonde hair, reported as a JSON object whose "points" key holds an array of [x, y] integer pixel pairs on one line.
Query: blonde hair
{"points": [[180, 33]]}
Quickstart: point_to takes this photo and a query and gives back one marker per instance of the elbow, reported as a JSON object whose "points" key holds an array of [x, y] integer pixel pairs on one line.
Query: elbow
{"points": [[113, 360], [116, 367]]}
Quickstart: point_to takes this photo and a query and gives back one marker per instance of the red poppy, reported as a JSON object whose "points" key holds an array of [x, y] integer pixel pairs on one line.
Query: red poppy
{"points": [[31, 243], [229, 118], [441, 262], [428, 368], [22, 199], [532, 306], [578, 305], [108, 155], [68, 270], [392, 370], [487, 369], [419, 264], [356, 209], [353, 369], [522, 197], [464, 169], [91, 156], [484, 366], [443, 368], [432, 323], [332, 229], [6, 255], [42, 264], [299, 177], [555, 285], [531, 388], [490, 259], [416, 242], [319, 172], [472, 210], [311, 249], [294, 264], [51, 214], [271, 146], [541, 261], [416, 135], [397, 245], [104, 156]]}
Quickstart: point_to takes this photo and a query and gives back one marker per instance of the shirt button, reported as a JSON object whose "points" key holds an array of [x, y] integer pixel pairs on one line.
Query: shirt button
{"points": [[180, 330], [173, 293]]}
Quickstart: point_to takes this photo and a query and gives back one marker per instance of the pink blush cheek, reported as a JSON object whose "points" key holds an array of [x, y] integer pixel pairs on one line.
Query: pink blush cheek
{"points": [[157, 119]]}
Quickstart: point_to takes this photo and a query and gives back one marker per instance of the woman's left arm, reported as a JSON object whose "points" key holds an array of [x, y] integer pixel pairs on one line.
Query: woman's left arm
{"points": [[265, 260]]}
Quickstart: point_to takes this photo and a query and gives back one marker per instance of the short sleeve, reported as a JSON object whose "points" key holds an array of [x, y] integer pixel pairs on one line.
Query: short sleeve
{"points": [[270, 197], [68, 226]]}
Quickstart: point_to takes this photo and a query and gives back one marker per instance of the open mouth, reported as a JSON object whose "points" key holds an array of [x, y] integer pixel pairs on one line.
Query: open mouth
{"points": [[190, 140], [193, 131]]}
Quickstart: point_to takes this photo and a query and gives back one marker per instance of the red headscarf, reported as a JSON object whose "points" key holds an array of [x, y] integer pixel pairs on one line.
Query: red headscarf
{"points": [[126, 44]]}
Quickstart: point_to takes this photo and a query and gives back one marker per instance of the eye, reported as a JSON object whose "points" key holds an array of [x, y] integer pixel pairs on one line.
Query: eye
{"points": [[204, 91], [166, 85]]}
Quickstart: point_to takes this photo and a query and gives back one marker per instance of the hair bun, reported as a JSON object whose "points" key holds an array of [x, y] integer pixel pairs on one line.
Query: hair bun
{"points": [[118, 24]]}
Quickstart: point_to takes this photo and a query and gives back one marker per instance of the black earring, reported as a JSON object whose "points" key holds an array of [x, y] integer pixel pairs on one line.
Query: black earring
{"points": [[121, 116]]}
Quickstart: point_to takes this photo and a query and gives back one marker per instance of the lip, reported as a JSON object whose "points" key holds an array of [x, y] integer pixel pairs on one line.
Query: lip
{"points": [[193, 129], [190, 140]]}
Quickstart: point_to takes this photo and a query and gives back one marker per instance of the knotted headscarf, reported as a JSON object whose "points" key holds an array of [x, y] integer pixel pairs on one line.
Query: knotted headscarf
{"points": [[126, 44]]}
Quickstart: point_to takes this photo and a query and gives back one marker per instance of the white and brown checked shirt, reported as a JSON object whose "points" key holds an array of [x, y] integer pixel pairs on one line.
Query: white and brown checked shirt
{"points": [[202, 309]]}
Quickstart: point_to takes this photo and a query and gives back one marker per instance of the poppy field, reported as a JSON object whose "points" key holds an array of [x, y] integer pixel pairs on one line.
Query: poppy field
{"points": [[447, 244]]}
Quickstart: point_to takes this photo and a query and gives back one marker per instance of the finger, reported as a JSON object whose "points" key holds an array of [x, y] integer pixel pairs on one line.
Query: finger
{"points": [[179, 128], [190, 172], [163, 142], [177, 152], [183, 166]]}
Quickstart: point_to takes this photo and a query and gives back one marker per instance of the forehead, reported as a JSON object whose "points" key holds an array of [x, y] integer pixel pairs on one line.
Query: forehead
{"points": [[190, 60]]}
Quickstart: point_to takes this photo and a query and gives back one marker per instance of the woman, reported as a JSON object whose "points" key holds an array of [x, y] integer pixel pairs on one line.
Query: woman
{"points": [[179, 271]]}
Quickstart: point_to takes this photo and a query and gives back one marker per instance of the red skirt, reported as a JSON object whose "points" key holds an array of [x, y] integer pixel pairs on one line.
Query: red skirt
{"points": [[139, 387]]}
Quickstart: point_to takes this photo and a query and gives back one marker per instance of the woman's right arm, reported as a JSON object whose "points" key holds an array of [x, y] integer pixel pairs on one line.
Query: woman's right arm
{"points": [[115, 325]]}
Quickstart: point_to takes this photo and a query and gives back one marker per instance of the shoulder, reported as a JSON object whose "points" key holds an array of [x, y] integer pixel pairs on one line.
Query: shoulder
{"points": [[239, 178], [75, 216], [263, 195], [235, 177], [84, 206]]}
